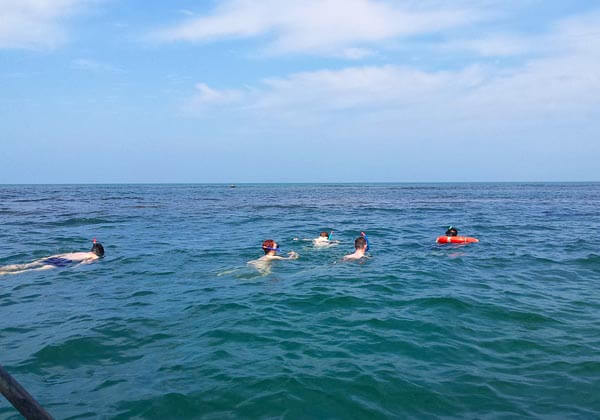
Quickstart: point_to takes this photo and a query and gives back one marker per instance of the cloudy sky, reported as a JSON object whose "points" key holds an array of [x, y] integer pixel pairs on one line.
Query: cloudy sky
{"points": [[299, 90]]}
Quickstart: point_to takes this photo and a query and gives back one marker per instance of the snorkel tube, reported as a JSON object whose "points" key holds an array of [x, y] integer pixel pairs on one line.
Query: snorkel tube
{"points": [[330, 235], [364, 235]]}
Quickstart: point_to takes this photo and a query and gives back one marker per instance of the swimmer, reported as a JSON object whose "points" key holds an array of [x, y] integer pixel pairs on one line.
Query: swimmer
{"points": [[271, 248], [59, 260], [361, 246], [324, 240], [452, 231], [451, 237]]}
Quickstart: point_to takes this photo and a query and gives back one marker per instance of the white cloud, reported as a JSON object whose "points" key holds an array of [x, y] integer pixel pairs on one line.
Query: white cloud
{"points": [[335, 27], [499, 45], [562, 86], [34, 23], [94, 66], [206, 98], [566, 37], [356, 53]]}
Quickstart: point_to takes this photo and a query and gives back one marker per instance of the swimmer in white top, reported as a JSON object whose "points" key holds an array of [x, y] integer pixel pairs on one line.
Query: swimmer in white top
{"points": [[59, 260], [271, 248], [323, 241], [361, 246]]}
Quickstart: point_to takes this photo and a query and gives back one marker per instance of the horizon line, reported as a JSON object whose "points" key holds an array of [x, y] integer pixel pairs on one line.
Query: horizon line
{"points": [[302, 183]]}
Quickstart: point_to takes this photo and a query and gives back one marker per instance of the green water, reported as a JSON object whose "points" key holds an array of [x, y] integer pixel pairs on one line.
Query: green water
{"points": [[173, 323]]}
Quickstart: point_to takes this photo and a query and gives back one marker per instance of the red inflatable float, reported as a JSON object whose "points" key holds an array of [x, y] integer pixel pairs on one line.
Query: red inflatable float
{"points": [[456, 240]]}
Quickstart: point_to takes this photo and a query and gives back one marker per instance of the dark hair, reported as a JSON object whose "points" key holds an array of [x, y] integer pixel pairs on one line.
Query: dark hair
{"points": [[324, 235], [360, 242], [268, 245], [452, 231], [98, 249]]}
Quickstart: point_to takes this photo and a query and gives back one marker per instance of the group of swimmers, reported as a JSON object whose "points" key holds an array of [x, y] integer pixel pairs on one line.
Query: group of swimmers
{"points": [[269, 246], [361, 247], [271, 250]]}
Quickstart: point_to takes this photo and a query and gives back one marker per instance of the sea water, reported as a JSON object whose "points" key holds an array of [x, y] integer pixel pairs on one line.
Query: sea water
{"points": [[173, 323]]}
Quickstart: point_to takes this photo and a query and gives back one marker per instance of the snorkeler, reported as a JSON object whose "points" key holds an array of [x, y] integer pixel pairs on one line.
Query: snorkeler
{"points": [[361, 246], [451, 237], [322, 241], [59, 260], [271, 248], [452, 231]]}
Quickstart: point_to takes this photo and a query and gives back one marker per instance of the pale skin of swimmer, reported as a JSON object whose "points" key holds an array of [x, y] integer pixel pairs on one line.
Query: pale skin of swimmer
{"points": [[321, 241], [263, 263], [37, 265], [361, 246], [356, 255]]}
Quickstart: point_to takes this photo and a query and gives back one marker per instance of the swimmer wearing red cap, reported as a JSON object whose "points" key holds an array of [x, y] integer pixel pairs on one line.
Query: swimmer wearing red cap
{"points": [[271, 248]]}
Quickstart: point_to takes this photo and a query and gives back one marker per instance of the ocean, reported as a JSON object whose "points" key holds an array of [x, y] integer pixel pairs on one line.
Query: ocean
{"points": [[173, 322]]}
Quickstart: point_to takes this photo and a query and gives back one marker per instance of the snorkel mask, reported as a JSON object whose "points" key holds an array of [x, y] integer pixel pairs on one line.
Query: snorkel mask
{"points": [[451, 231], [267, 248]]}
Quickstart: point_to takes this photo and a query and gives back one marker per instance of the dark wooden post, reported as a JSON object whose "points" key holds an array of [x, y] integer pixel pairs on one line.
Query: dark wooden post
{"points": [[20, 399]]}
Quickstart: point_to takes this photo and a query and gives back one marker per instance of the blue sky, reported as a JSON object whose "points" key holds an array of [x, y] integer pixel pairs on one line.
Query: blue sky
{"points": [[299, 91]]}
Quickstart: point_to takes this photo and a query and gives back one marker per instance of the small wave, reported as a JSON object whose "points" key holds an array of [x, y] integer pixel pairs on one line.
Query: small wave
{"points": [[504, 314], [79, 351], [34, 200], [591, 260], [120, 198], [171, 405], [442, 301], [80, 221]]}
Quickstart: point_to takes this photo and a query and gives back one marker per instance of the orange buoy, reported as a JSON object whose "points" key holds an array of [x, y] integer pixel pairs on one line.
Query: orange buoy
{"points": [[456, 240]]}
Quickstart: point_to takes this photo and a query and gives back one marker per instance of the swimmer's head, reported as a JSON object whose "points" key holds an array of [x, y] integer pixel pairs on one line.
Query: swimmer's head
{"points": [[452, 231], [270, 246], [324, 235], [98, 249], [360, 243]]}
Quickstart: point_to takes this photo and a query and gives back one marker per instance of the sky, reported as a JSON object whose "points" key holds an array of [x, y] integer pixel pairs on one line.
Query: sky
{"points": [[127, 91]]}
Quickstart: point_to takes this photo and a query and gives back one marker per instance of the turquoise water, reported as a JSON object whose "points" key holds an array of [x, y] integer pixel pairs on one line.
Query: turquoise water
{"points": [[172, 323]]}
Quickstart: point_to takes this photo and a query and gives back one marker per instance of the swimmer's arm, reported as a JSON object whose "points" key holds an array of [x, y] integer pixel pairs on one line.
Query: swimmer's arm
{"points": [[291, 256]]}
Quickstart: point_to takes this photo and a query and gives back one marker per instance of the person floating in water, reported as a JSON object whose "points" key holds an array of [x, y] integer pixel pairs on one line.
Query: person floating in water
{"points": [[322, 241], [361, 246], [59, 260], [271, 248], [452, 231], [451, 237]]}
